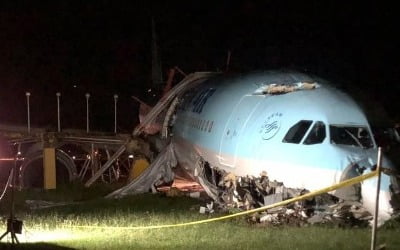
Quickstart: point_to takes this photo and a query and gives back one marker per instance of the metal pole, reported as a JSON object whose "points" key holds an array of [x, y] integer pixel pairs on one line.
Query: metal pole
{"points": [[378, 185], [58, 111], [13, 181], [87, 112], [115, 113], [106, 165], [28, 111]]}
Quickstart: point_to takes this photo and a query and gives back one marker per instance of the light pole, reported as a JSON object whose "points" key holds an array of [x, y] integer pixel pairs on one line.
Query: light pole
{"points": [[115, 113], [58, 111], [87, 112], [28, 111]]}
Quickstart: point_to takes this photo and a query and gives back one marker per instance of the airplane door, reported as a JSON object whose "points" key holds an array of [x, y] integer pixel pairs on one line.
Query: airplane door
{"points": [[234, 127]]}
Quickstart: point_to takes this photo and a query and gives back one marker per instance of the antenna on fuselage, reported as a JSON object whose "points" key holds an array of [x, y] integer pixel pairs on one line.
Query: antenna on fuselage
{"points": [[228, 60]]}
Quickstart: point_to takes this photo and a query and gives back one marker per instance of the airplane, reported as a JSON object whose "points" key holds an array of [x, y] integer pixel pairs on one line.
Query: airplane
{"points": [[297, 128]]}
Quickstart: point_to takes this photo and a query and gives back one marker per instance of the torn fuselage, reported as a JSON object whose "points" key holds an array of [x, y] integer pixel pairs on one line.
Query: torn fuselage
{"points": [[300, 130]]}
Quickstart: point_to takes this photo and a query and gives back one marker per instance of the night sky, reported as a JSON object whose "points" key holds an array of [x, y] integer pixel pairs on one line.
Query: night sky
{"points": [[104, 48]]}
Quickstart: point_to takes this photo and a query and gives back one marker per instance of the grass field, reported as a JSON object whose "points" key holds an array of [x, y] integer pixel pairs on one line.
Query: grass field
{"points": [[54, 228]]}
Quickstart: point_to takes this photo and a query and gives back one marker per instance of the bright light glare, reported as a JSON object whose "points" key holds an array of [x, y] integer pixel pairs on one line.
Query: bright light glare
{"points": [[32, 236]]}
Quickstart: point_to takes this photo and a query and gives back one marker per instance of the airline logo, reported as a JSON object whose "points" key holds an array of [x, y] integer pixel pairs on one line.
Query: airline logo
{"points": [[271, 126]]}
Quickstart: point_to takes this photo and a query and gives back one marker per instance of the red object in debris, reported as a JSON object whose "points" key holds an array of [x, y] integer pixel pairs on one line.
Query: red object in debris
{"points": [[183, 185]]}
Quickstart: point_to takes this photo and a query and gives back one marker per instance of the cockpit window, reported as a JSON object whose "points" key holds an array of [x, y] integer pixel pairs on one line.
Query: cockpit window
{"points": [[317, 134], [349, 135], [297, 132]]}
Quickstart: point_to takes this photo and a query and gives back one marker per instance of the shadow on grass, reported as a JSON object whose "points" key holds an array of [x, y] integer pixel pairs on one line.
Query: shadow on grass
{"points": [[157, 203], [42, 246]]}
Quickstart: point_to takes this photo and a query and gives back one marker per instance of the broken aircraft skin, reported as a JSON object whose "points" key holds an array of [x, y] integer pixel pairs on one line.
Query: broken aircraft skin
{"points": [[300, 130], [296, 128]]}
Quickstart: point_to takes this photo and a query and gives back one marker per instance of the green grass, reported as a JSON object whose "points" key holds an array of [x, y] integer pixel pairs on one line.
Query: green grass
{"points": [[54, 227]]}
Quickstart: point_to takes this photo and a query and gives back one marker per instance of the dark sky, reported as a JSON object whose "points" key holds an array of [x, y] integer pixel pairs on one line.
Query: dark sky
{"points": [[103, 47]]}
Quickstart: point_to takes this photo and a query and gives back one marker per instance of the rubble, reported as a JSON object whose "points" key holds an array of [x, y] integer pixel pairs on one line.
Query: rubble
{"points": [[250, 192], [209, 208]]}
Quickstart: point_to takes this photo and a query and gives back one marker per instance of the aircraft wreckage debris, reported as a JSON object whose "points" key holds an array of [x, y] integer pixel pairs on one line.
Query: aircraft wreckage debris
{"points": [[249, 192]]}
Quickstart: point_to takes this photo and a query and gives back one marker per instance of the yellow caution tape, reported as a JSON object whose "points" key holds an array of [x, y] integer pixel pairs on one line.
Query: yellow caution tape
{"points": [[344, 183]]}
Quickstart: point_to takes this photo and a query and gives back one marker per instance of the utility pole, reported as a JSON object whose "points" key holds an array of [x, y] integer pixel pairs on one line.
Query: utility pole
{"points": [[58, 94], [87, 112], [28, 111], [115, 113]]}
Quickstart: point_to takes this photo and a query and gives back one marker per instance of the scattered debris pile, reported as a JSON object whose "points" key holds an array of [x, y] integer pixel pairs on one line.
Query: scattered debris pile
{"points": [[342, 214], [249, 192]]}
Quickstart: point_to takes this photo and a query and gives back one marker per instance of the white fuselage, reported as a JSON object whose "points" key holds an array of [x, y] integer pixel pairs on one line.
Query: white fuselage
{"points": [[308, 138]]}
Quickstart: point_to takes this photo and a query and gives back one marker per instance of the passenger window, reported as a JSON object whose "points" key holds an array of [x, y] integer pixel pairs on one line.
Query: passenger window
{"points": [[317, 134], [297, 132]]}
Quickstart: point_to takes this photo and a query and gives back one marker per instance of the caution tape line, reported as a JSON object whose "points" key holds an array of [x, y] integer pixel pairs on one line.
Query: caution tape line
{"points": [[344, 183]]}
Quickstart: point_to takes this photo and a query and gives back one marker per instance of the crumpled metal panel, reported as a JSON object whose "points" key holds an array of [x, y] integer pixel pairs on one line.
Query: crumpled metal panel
{"points": [[159, 172]]}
